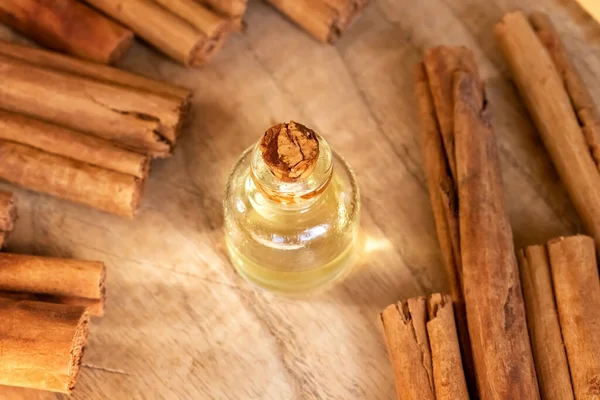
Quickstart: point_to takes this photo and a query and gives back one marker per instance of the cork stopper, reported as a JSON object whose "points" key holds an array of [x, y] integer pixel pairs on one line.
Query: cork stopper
{"points": [[290, 151]]}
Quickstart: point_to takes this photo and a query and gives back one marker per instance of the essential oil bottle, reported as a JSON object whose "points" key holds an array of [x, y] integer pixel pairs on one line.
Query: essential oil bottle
{"points": [[291, 211]]}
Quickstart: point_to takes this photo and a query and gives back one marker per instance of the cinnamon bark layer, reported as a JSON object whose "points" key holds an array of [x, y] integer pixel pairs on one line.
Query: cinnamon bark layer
{"points": [[95, 307], [71, 144], [408, 348], [325, 20], [581, 100], [165, 30], [434, 78], [57, 280], [72, 180], [504, 365], [544, 327], [42, 344], [448, 375], [143, 121], [68, 26], [60, 62], [231, 8], [577, 289], [8, 215], [424, 350], [200, 17], [560, 106]]}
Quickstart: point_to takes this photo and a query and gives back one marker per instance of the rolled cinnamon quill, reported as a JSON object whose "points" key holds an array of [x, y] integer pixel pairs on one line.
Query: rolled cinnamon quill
{"points": [[68, 26], [95, 307], [577, 290], [325, 20], [143, 121], [434, 96], [71, 144], [448, 376], [72, 180], [8, 215], [549, 354], [175, 36], [408, 348], [423, 347], [58, 280], [231, 8], [200, 17], [560, 105], [104, 73], [42, 344], [504, 365]]}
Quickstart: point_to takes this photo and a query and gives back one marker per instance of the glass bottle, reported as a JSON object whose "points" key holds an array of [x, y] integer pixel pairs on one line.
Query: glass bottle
{"points": [[291, 212]]}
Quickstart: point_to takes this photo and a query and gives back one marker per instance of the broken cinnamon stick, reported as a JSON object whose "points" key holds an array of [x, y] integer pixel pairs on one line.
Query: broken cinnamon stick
{"points": [[71, 144], [544, 327], [494, 303], [8, 215], [140, 120], [551, 106], [72, 180], [42, 344], [61, 62], [65, 281], [404, 326], [577, 290], [231, 8], [165, 30], [448, 376], [423, 347], [68, 26], [325, 20]]}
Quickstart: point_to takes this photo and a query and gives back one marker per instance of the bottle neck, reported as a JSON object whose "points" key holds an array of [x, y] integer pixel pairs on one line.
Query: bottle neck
{"points": [[300, 191]]}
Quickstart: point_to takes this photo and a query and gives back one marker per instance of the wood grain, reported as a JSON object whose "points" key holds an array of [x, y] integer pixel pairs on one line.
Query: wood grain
{"points": [[179, 322]]}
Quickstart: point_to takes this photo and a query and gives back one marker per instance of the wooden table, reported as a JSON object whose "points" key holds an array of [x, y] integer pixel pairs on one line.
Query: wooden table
{"points": [[180, 323]]}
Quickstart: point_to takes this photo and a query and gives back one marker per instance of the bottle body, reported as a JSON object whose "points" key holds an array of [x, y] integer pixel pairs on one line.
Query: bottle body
{"points": [[296, 238]]}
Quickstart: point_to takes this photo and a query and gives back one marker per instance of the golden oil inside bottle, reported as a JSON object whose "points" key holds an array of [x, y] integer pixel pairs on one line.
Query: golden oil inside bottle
{"points": [[292, 237]]}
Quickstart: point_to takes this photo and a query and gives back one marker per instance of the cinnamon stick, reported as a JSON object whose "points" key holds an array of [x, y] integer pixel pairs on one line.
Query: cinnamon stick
{"points": [[8, 215], [64, 280], [495, 310], [71, 144], [61, 62], [325, 20], [231, 8], [140, 120], [442, 187], [165, 30], [200, 17], [544, 327], [440, 63], [42, 344], [581, 100], [448, 376], [577, 290], [68, 26], [408, 348], [95, 307], [423, 347], [72, 180], [551, 107]]}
